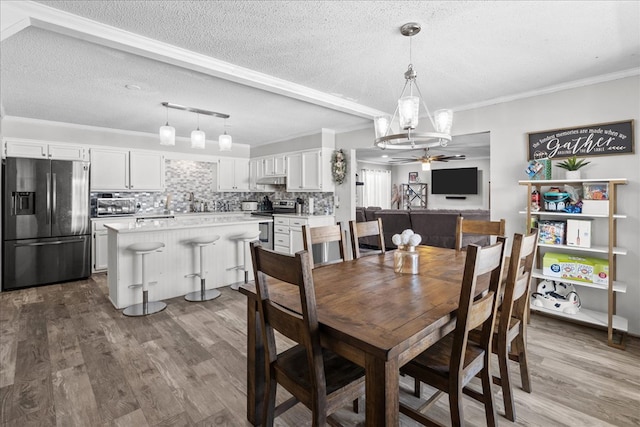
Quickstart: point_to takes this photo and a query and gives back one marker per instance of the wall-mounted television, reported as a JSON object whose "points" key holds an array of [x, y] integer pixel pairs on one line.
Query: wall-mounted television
{"points": [[454, 181]]}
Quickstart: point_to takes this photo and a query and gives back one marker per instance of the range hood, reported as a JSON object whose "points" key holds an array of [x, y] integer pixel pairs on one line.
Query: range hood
{"points": [[272, 180]]}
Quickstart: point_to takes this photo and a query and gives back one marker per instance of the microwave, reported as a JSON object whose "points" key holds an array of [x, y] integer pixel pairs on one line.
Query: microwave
{"points": [[115, 207]]}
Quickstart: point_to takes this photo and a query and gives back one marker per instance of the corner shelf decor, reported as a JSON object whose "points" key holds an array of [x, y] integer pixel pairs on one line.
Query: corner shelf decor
{"points": [[414, 195], [617, 326]]}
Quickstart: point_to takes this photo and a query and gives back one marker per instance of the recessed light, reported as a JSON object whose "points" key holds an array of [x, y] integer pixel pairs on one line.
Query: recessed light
{"points": [[384, 156], [132, 87]]}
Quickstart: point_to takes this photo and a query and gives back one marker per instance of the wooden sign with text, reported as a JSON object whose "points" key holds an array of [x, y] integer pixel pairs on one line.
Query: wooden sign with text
{"points": [[591, 140]]}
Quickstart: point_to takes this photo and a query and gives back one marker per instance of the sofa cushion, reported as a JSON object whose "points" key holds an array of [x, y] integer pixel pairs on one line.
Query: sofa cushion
{"points": [[369, 212], [437, 229], [393, 222]]}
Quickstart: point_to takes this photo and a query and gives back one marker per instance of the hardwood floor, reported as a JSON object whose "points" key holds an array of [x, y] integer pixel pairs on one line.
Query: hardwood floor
{"points": [[68, 358]]}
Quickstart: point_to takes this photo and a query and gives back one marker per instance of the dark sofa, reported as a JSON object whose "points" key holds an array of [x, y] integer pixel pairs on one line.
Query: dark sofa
{"points": [[437, 227]]}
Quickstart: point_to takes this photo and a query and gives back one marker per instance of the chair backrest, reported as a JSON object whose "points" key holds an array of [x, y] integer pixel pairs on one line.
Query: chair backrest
{"points": [[516, 288], [485, 261], [324, 234], [366, 229], [486, 228], [273, 267]]}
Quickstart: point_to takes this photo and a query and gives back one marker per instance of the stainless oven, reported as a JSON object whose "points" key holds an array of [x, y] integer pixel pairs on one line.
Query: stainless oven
{"points": [[266, 234]]}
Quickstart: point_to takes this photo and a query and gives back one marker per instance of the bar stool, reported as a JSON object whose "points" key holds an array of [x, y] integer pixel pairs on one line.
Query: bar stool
{"points": [[245, 238], [202, 294], [143, 249]]}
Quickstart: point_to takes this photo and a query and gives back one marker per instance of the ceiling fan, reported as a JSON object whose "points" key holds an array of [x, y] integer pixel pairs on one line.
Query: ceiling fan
{"points": [[426, 159]]}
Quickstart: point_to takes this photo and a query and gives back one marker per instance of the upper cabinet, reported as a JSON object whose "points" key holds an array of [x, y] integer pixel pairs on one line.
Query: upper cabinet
{"points": [[44, 150], [309, 171], [123, 170], [276, 165], [233, 174]]}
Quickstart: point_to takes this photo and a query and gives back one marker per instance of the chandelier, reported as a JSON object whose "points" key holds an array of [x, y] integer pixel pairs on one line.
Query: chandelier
{"points": [[198, 137], [407, 114]]}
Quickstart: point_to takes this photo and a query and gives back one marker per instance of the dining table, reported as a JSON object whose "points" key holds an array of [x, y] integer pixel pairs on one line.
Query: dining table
{"points": [[372, 316]]}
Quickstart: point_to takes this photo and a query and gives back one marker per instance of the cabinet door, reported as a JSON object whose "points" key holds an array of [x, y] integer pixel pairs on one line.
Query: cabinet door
{"points": [[311, 171], [100, 251], [146, 171], [241, 175], [279, 165], [296, 244], [256, 168], [269, 166], [226, 175], [30, 149], [294, 172], [109, 169], [67, 152]]}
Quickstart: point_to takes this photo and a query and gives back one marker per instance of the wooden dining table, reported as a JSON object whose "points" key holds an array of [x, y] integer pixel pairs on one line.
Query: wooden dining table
{"points": [[371, 315]]}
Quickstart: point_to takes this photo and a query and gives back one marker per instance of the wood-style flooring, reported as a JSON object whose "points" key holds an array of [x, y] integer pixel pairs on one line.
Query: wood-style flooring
{"points": [[68, 358]]}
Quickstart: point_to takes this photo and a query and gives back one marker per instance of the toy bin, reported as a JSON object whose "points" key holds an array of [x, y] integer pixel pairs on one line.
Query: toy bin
{"points": [[555, 202]]}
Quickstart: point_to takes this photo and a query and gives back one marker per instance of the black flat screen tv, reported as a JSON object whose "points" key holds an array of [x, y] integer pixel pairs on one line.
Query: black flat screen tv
{"points": [[454, 181]]}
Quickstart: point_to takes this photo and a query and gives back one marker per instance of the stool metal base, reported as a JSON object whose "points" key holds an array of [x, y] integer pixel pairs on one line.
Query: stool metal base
{"points": [[206, 295], [144, 309]]}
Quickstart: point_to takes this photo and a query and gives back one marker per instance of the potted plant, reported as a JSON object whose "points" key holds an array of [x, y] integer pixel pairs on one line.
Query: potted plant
{"points": [[572, 166]]}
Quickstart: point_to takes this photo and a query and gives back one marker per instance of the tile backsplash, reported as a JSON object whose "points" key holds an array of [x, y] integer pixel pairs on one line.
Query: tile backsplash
{"points": [[184, 177]]}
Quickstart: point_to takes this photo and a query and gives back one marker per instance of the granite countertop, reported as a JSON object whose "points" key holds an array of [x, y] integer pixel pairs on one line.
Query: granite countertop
{"points": [[169, 215], [304, 216], [185, 221]]}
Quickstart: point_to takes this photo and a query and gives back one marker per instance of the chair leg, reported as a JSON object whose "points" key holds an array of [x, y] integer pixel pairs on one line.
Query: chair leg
{"points": [[489, 407], [416, 388], [356, 406], [455, 407], [505, 381], [268, 411], [521, 348]]}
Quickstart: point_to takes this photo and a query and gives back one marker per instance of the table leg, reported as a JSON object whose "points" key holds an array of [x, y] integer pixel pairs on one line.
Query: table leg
{"points": [[255, 365], [382, 380]]}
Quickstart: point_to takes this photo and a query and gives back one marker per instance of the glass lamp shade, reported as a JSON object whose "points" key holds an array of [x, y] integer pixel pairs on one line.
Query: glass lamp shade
{"points": [[426, 166], [167, 135], [224, 142], [443, 120], [408, 111], [197, 139], [381, 124]]}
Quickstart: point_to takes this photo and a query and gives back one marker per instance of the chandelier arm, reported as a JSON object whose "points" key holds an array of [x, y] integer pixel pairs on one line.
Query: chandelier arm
{"points": [[424, 104]]}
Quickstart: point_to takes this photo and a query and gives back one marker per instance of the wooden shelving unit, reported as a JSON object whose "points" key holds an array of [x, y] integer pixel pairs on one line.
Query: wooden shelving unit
{"points": [[414, 195], [616, 326]]}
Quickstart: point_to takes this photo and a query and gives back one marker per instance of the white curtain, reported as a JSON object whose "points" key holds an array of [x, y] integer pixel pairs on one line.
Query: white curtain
{"points": [[377, 188]]}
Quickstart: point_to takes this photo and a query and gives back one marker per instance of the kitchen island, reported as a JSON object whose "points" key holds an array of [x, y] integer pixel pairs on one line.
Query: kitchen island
{"points": [[166, 270]]}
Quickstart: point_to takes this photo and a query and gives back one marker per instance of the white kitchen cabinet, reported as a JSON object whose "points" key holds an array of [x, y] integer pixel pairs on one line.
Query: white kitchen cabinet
{"points": [[275, 165], [99, 247], [256, 171], [233, 175], [287, 231], [44, 150], [309, 171], [113, 169]]}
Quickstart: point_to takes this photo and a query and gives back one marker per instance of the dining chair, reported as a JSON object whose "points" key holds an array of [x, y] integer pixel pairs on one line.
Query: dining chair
{"points": [[510, 335], [451, 363], [366, 229], [322, 235], [315, 376], [477, 227]]}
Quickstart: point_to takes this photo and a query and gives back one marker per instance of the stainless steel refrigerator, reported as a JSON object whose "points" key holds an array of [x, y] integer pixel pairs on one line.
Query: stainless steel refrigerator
{"points": [[46, 231]]}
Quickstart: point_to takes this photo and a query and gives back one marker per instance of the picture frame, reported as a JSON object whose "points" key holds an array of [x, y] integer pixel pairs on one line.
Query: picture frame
{"points": [[413, 177]]}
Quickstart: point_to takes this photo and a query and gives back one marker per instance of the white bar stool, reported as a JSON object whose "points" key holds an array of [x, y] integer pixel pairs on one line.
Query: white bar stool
{"points": [[143, 249], [203, 294], [245, 238]]}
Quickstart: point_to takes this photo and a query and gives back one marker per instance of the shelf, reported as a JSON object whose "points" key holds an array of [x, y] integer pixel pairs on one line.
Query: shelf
{"points": [[592, 249], [569, 181], [588, 316], [570, 215], [617, 286]]}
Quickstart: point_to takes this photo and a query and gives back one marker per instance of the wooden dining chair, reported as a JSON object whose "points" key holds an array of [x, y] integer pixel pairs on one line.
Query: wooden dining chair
{"points": [[477, 227], [366, 229], [453, 361], [321, 235], [315, 376], [510, 335]]}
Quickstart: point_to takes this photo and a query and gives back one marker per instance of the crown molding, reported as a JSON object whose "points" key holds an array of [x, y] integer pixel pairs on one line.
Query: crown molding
{"points": [[51, 19]]}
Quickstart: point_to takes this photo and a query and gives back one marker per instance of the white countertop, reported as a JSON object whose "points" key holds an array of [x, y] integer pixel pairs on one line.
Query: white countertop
{"points": [[175, 215], [304, 216], [186, 221]]}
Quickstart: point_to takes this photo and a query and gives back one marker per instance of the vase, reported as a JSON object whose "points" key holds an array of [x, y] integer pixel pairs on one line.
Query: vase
{"points": [[406, 260], [572, 175]]}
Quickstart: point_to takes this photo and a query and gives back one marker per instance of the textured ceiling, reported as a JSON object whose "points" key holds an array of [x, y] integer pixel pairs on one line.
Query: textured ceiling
{"points": [[468, 53]]}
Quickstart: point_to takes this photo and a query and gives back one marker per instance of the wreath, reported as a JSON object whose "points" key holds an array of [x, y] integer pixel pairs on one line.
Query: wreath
{"points": [[339, 166]]}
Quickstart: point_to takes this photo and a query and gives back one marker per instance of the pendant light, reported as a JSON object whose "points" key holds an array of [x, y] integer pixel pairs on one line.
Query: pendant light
{"points": [[167, 133], [224, 141], [197, 137]]}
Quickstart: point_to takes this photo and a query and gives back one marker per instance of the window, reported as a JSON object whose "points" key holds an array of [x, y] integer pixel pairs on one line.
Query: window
{"points": [[377, 188]]}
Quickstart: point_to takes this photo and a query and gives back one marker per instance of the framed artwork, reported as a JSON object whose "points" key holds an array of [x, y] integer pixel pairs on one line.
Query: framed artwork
{"points": [[413, 177]]}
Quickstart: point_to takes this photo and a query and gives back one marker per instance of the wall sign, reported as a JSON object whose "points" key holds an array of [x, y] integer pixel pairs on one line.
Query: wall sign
{"points": [[591, 140]]}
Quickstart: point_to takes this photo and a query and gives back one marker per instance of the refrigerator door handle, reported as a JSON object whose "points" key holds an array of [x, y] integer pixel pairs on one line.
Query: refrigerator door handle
{"points": [[57, 242], [54, 198], [14, 204], [48, 198]]}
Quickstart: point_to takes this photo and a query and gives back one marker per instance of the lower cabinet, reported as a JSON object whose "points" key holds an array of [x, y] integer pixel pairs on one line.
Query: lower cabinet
{"points": [[287, 232], [99, 248]]}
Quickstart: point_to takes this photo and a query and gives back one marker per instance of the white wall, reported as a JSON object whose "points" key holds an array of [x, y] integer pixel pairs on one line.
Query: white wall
{"points": [[509, 124]]}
